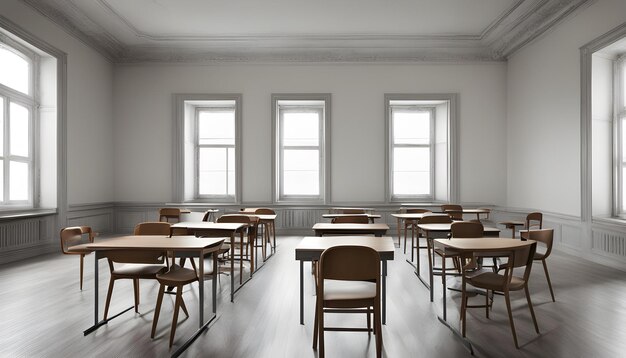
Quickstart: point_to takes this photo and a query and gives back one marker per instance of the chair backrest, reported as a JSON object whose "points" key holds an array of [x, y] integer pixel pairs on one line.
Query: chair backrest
{"points": [[521, 257], [353, 211], [534, 221], [264, 211], [234, 218], [351, 219], [467, 229], [435, 219], [544, 236], [152, 228], [417, 211], [165, 214], [135, 257], [455, 211], [75, 235], [353, 263]]}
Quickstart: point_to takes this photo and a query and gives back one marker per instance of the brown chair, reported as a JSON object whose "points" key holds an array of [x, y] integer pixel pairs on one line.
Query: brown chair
{"points": [[348, 282], [489, 281], [408, 223], [545, 237], [351, 219], [169, 214], [534, 221], [464, 230], [269, 230], [175, 277], [152, 228], [243, 245], [455, 211], [133, 265], [75, 235], [353, 211]]}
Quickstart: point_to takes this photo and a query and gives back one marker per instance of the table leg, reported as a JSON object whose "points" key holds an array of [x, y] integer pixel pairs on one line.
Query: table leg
{"points": [[430, 264], [95, 290], [214, 283], [398, 228], [384, 298], [443, 284], [232, 267], [201, 290], [301, 292]]}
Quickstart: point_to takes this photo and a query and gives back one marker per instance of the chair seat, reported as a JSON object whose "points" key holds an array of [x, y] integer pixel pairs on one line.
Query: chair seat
{"points": [[177, 277], [138, 269], [348, 290], [493, 281]]}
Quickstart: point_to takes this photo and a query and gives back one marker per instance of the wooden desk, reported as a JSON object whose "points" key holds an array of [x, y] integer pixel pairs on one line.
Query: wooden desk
{"points": [[188, 246], [472, 211], [512, 225], [311, 248], [322, 229], [268, 220], [483, 245], [442, 230], [340, 210], [371, 217], [211, 229]]}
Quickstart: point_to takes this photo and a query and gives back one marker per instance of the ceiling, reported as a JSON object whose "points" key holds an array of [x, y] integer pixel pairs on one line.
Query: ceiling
{"points": [[304, 30]]}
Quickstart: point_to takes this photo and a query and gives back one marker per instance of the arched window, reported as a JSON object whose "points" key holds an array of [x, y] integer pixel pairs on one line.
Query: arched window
{"points": [[15, 70]]}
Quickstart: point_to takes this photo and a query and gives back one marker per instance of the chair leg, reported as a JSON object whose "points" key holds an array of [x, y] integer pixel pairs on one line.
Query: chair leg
{"points": [[530, 306], [545, 269], [404, 238], [463, 306], [487, 303], [508, 308], [179, 295], [82, 264], [315, 326], [320, 329], [369, 321], [378, 328], [136, 290], [108, 300], [182, 304], [157, 310]]}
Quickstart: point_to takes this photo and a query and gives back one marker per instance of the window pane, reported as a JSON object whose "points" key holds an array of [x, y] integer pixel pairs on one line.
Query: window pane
{"points": [[623, 188], [14, 70], [411, 127], [624, 84], [301, 172], [301, 128], [18, 124], [231, 171], [623, 139], [18, 181], [1, 127], [411, 171], [216, 127], [1, 180], [212, 164]]}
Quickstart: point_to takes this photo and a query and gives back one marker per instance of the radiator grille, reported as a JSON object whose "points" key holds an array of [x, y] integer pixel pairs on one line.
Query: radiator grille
{"points": [[609, 243], [19, 233]]}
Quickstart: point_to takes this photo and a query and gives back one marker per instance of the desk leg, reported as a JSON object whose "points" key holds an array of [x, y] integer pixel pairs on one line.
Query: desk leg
{"points": [[430, 265], [398, 228], [214, 283], [95, 290], [252, 251], [443, 285], [232, 267], [301, 292], [384, 298], [201, 291]]}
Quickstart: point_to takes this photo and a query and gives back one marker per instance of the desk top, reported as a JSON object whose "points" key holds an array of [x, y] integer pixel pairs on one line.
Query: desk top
{"points": [[482, 244], [446, 227], [207, 225], [348, 227], [415, 216], [152, 242], [470, 211], [312, 246], [337, 215], [260, 216]]}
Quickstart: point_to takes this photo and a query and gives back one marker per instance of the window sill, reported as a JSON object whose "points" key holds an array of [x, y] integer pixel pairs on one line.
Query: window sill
{"points": [[27, 213]]}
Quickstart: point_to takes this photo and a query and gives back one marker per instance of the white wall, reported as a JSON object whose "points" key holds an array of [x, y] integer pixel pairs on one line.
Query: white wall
{"points": [[89, 106], [543, 108], [144, 122]]}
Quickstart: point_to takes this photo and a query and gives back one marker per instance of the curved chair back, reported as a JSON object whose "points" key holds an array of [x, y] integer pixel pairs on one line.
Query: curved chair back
{"points": [[152, 228], [167, 214], [264, 211], [417, 211], [435, 219], [74, 235], [467, 229], [352, 219], [455, 211], [544, 236], [234, 218], [353, 211], [534, 221], [352, 263]]}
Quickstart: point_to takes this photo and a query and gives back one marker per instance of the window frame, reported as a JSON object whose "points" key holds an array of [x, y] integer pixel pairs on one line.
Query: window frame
{"points": [[299, 102], [619, 117], [184, 193], [431, 145], [30, 101]]}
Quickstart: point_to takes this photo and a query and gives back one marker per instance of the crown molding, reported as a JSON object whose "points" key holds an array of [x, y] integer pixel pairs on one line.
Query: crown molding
{"points": [[523, 22]]}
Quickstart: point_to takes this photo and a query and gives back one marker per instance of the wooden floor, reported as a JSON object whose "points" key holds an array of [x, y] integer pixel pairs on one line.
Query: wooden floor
{"points": [[43, 314]]}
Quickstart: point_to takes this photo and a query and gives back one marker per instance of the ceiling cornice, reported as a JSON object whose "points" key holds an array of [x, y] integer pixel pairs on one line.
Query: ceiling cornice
{"points": [[526, 20]]}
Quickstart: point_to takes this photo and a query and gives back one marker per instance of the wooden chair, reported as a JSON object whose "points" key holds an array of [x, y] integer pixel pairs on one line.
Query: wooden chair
{"points": [[175, 277], [231, 242], [351, 219], [545, 237], [167, 214], [75, 235], [348, 282], [152, 228], [534, 221], [413, 225], [133, 265], [455, 211], [269, 230], [353, 211], [489, 281]]}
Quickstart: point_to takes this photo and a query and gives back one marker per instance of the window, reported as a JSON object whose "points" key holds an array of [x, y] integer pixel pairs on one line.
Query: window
{"points": [[420, 150], [620, 121], [300, 123], [208, 148], [17, 109]]}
